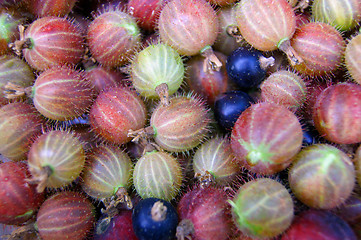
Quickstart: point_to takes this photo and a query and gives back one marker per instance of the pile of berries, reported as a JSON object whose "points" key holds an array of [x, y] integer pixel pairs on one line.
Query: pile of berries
{"points": [[180, 119]]}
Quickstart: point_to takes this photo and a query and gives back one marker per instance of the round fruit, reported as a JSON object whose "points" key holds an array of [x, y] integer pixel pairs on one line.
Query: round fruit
{"points": [[119, 226], [204, 214], [333, 170], [55, 159], [190, 27], [65, 215], [262, 208], [51, 41], [229, 105], [353, 58], [266, 137], [247, 68], [15, 71], [115, 112], [182, 125], [113, 37], [44, 8], [157, 174], [268, 25], [155, 66], [20, 124], [337, 113], [108, 174], [214, 161], [62, 93], [316, 224], [342, 14], [284, 88], [320, 46], [154, 218], [18, 199]]}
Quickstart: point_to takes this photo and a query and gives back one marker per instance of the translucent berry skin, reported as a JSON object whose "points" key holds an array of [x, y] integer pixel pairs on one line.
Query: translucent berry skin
{"points": [[102, 78], [154, 65], [337, 113], [55, 41], [207, 84], [20, 124], [62, 93], [8, 28], [65, 215], [244, 68], [224, 42], [146, 12], [320, 46], [216, 157], [265, 138], [115, 112], [115, 31], [353, 58], [145, 227], [333, 170], [109, 169], [120, 225], [181, 125], [157, 174], [62, 152], [19, 200], [262, 208], [285, 88], [265, 24], [317, 224], [229, 105], [16, 71], [208, 211], [342, 14], [188, 25], [45, 8]]}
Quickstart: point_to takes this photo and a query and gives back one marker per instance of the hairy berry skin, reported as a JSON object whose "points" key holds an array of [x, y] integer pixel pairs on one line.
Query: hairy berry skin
{"points": [[18, 199], [62, 93], [182, 125], [113, 37], [65, 215], [337, 113], [115, 112], [54, 41]]}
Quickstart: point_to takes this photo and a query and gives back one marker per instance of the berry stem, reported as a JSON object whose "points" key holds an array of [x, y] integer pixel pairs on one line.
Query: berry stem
{"points": [[266, 62], [233, 31], [23, 231], [211, 63], [19, 45], [285, 46], [158, 211], [13, 91], [302, 5], [162, 91], [41, 178], [185, 229], [205, 179], [141, 133], [123, 196]]}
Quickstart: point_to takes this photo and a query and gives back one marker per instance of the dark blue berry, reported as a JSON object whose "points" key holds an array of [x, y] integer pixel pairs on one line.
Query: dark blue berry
{"points": [[310, 135], [161, 225], [243, 67], [228, 106]]}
